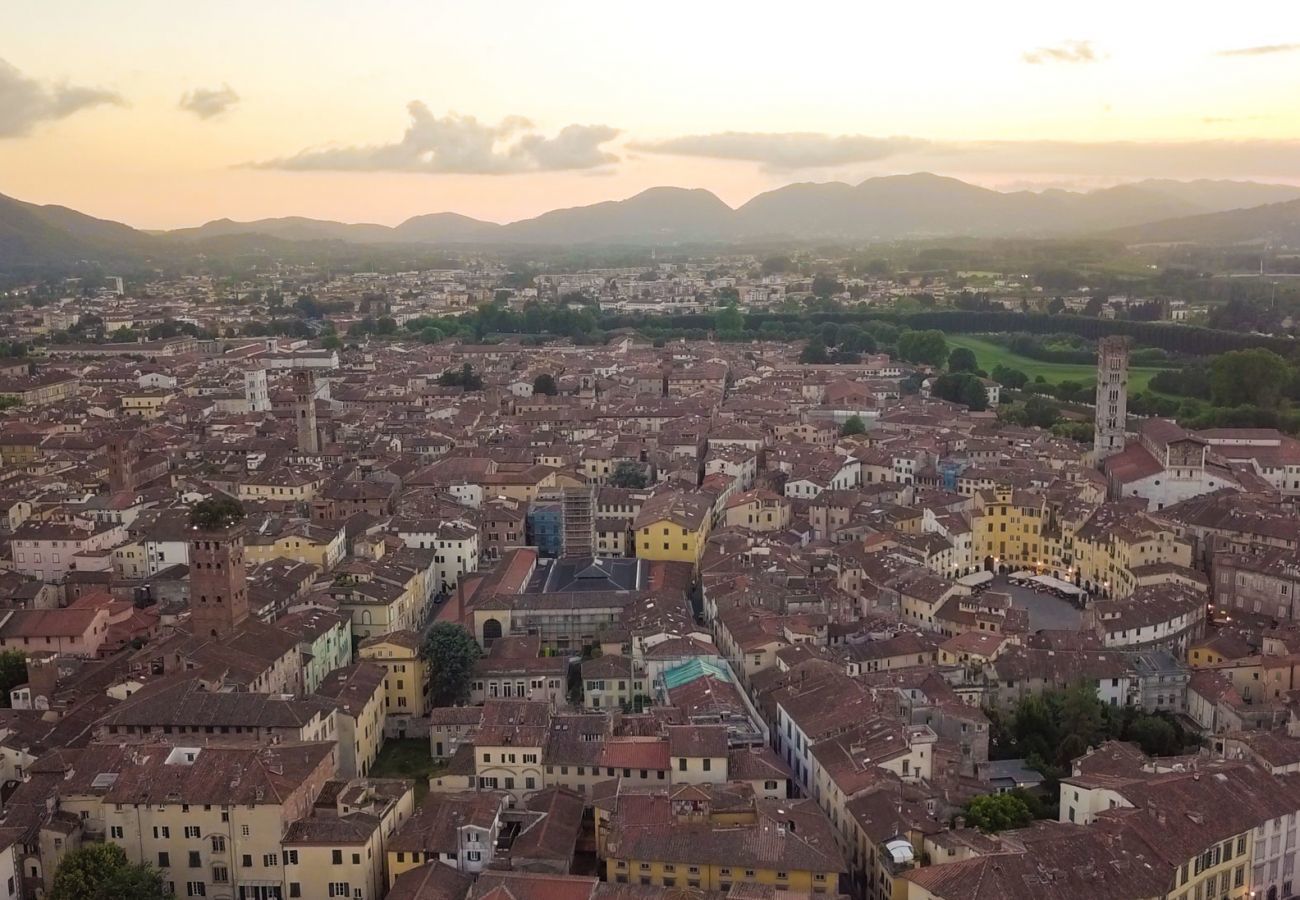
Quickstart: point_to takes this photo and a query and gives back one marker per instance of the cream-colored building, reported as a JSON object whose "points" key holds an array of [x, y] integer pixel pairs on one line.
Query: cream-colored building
{"points": [[358, 691], [406, 677]]}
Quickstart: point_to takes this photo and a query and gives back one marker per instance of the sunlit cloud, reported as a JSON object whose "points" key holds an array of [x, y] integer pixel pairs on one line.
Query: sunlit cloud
{"points": [[1066, 52], [26, 102], [206, 103], [461, 144], [1261, 50], [785, 151], [1190, 159]]}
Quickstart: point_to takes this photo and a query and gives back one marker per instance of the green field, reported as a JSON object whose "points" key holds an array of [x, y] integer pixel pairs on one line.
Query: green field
{"points": [[408, 758], [990, 355]]}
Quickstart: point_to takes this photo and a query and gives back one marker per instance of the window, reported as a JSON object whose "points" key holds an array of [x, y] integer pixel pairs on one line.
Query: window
{"points": [[336, 857], [115, 831], [164, 859], [291, 857], [195, 889], [340, 889], [195, 862], [270, 860], [295, 889], [191, 831], [220, 874], [708, 764], [473, 855], [243, 829]]}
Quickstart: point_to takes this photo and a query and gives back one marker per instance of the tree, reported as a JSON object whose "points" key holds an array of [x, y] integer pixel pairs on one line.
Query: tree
{"points": [[628, 474], [774, 265], [331, 342], [962, 359], [545, 384], [961, 387], [451, 652], [102, 872], [464, 378], [216, 513], [853, 425], [1009, 377], [728, 320], [1248, 378], [992, 813], [924, 347], [123, 335], [13, 672], [825, 285], [814, 352], [1040, 412]]}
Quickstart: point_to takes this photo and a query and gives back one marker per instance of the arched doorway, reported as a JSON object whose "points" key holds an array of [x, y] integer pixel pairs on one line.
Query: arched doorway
{"points": [[988, 564], [491, 631]]}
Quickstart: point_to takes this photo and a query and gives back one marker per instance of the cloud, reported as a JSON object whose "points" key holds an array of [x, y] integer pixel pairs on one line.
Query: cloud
{"points": [[461, 144], [1066, 52], [1262, 50], [790, 150], [26, 102], [1072, 159], [209, 102]]}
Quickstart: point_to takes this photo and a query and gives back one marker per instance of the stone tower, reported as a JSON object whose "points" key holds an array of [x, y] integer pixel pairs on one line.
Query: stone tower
{"points": [[304, 410], [218, 586], [255, 390], [122, 451], [1112, 397]]}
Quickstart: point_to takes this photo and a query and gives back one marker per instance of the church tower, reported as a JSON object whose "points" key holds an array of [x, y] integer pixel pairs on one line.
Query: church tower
{"points": [[218, 586], [304, 410], [1112, 397]]}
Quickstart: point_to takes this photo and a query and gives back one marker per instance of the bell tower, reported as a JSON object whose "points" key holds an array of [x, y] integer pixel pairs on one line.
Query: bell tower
{"points": [[1112, 397]]}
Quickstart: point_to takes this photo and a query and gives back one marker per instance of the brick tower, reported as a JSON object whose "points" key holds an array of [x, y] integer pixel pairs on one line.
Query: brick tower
{"points": [[1112, 397], [218, 587], [304, 410], [122, 453]]}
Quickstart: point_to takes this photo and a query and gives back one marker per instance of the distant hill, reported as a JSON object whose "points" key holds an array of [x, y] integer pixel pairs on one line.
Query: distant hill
{"points": [[289, 228], [887, 208], [1274, 223], [657, 215], [33, 235]]}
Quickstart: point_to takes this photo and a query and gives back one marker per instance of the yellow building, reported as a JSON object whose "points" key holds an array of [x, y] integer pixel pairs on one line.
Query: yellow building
{"points": [[345, 854], [176, 808], [286, 485], [1007, 529], [677, 839], [406, 677], [300, 540], [673, 527], [758, 510], [358, 692], [146, 404]]}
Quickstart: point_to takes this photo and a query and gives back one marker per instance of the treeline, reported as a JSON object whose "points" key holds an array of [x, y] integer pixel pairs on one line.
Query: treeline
{"points": [[1173, 338]]}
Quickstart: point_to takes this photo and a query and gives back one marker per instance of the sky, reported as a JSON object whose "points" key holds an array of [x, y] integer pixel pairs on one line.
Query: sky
{"points": [[170, 113]]}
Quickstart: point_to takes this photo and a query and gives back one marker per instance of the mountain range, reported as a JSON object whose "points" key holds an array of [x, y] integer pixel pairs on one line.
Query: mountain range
{"points": [[886, 208]]}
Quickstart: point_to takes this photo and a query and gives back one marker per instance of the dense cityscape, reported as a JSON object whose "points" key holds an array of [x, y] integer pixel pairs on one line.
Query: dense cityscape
{"points": [[586, 451]]}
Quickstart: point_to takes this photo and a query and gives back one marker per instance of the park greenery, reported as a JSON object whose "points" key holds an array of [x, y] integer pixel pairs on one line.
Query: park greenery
{"points": [[13, 672], [628, 474], [103, 872], [451, 653], [1051, 729]]}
